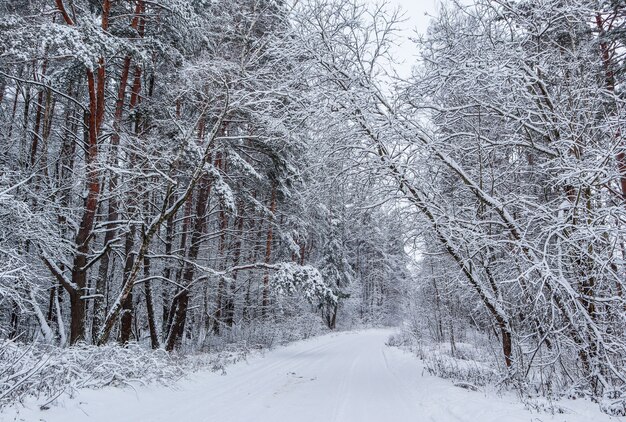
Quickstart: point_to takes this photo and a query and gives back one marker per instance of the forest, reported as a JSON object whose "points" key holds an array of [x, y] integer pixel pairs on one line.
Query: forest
{"points": [[180, 177]]}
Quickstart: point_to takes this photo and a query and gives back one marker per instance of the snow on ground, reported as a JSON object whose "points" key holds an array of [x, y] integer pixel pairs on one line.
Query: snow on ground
{"points": [[349, 377]]}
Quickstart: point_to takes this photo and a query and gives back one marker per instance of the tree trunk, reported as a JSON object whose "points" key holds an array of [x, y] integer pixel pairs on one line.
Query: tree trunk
{"points": [[77, 317], [36, 136], [609, 75], [333, 317], [93, 117], [154, 226], [221, 247], [182, 298], [15, 321], [112, 213], [268, 253], [126, 317], [229, 308], [167, 271], [3, 85], [154, 336]]}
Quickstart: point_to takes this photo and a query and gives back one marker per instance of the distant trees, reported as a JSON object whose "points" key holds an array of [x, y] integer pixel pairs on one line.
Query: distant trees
{"points": [[506, 143], [159, 173], [175, 171]]}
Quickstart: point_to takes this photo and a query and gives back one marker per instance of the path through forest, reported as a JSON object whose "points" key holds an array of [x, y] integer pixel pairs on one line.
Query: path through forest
{"points": [[349, 377]]}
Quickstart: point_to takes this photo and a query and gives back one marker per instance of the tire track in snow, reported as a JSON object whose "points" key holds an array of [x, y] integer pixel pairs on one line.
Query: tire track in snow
{"points": [[346, 377]]}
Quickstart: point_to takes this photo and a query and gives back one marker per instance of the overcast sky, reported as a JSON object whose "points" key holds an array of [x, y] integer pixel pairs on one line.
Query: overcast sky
{"points": [[416, 12]]}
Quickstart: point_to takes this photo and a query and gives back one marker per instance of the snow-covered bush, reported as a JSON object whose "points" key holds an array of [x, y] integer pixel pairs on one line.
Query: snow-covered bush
{"points": [[473, 372], [271, 333], [47, 371]]}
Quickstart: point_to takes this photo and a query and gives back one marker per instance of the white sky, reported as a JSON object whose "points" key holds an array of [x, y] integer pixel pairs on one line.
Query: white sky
{"points": [[416, 13]]}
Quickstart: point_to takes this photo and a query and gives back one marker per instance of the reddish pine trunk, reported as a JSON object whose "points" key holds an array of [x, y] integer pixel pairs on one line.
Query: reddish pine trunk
{"points": [[94, 113], [182, 298], [79, 272], [112, 212]]}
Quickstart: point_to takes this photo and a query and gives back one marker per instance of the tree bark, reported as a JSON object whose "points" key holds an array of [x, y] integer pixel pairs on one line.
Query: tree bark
{"points": [[93, 117], [268, 253], [221, 247], [112, 213], [167, 271], [166, 213], [154, 335], [229, 308], [182, 298], [126, 317]]}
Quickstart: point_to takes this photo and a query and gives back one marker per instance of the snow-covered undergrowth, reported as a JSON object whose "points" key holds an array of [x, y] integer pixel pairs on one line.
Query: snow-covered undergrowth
{"points": [[47, 372], [473, 365], [267, 334], [462, 363]]}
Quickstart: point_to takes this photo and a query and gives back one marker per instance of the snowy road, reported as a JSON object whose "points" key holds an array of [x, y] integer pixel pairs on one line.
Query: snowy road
{"points": [[350, 377]]}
